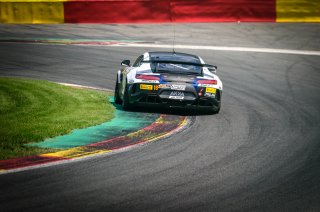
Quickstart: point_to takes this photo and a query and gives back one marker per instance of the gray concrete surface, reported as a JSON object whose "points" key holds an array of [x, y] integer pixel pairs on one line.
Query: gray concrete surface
{"points": [[260, 153]]}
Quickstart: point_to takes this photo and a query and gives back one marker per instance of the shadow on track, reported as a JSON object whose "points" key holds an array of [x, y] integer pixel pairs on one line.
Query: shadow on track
{"points": [[170, 111]]}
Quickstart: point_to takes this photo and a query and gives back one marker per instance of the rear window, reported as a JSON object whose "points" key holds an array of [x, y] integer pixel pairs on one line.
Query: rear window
{"points": [[171, 56], [175, 63], [176, 68]]}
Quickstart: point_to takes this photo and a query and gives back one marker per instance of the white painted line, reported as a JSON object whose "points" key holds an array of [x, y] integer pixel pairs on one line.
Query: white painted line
{"points": [[220, 48], [83, 86]]}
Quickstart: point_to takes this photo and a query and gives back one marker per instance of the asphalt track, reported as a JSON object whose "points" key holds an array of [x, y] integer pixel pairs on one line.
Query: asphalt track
{"points": [[260, 153]]}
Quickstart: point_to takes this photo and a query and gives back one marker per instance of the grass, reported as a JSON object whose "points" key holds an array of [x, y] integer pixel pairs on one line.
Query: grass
{"points": [[33, 110]]}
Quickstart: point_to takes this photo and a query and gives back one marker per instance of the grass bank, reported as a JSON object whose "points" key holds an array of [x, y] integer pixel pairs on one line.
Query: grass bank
{"points": [[33, 110]]}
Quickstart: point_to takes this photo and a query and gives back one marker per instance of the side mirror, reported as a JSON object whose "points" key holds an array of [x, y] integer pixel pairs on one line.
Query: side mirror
{"points": [[125, 63]]}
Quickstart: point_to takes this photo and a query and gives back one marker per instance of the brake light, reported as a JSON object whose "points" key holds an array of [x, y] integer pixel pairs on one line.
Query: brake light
{"points": [[200, 92], [147, 77], [213, 82]]}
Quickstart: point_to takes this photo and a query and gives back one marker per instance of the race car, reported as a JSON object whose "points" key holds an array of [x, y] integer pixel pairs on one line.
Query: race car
{"points": [[168, 79]]}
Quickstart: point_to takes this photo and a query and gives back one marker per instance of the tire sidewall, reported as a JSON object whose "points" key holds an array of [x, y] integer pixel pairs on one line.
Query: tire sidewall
{"points": [[125, 102], [117, 98]]}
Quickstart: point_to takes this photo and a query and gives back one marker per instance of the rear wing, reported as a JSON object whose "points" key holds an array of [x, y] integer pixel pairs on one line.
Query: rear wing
{"points": [[212, 68]]}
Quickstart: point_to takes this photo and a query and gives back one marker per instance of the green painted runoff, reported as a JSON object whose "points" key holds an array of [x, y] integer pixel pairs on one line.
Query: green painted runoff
{"points": [[35, 110]]}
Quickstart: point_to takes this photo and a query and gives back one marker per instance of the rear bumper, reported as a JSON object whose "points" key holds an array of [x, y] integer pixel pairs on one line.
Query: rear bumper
{"points": [[159, 98]]}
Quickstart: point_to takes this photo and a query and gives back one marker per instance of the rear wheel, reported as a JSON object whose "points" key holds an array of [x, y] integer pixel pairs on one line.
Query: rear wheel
{"points": [[125, 103], [214, 110], [217, 110], [117, 98]]}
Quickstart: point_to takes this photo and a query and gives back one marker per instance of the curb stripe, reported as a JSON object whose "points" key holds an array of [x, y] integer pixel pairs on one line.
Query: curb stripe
{"points": [[27, 161], [164, 126], [75, 152]]}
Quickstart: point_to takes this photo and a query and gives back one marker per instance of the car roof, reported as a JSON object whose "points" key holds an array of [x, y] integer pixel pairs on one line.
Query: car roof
{"points": [[174, 56]]}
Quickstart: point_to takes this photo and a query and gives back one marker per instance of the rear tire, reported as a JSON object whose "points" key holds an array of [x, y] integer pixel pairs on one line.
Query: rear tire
{"points": [[214, 110], [117, 98], [217, 111], [125, 103]]}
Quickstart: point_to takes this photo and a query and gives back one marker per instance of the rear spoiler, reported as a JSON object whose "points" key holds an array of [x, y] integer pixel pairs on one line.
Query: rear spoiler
{"points": [[211, 68], [179, 62]]}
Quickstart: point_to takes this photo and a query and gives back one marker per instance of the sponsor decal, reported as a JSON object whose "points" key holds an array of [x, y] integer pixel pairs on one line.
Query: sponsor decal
{"points": [[210, 95], [211, 90], [164, 86], [176, 95], [178, 87], [156, 87], [150, 81], [146, 87]]}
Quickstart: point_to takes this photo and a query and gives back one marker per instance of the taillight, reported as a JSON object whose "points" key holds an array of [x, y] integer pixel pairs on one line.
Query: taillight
{"points": [[147, 77], [200, 92], [213, 82]]}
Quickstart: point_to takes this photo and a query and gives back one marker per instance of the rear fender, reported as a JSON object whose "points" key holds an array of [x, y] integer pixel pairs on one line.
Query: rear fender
{"points": [[119, 76]]}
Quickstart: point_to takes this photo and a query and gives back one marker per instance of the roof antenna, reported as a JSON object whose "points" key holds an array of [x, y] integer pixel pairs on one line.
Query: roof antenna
{"points": [[174, 38]]}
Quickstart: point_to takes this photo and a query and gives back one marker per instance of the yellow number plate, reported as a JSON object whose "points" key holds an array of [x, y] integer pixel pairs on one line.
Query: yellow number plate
{"points": [[146, 87], [211, 90]]}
